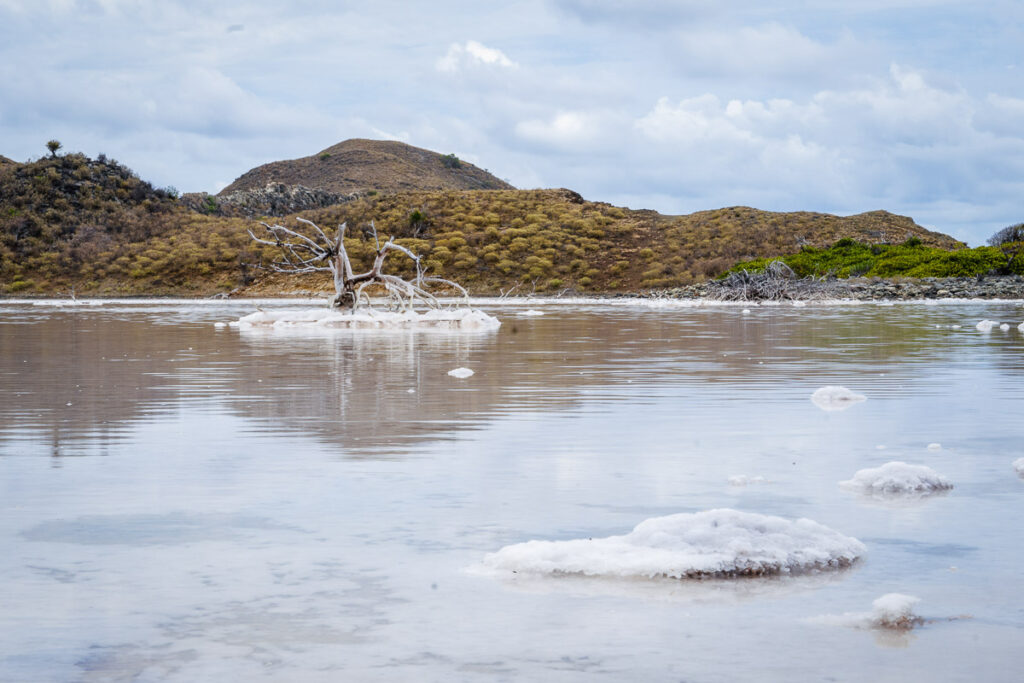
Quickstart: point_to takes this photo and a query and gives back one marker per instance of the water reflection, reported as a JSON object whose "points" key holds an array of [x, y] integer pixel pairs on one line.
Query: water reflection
{"points": [[77, 378], [284, 508]]}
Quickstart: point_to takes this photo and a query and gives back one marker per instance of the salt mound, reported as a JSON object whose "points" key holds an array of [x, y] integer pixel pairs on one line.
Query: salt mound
{"points": [[461, 373], [1018, 465], [532, 312], [897, 478], [1021, 328], [460, 319], [715, 543], [985, 325], [895, 611], [833, 398]]}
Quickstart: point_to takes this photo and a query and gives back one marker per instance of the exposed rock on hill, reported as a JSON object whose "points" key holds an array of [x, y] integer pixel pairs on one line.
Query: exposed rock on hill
{"points": [[362, 165], [4, 160], [276, 199]]}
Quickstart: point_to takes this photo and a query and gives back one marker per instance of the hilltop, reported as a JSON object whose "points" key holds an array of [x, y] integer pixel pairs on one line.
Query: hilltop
{"points": [[370, 165]]}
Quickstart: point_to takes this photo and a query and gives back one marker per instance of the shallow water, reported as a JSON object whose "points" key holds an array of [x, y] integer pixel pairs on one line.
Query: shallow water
{"points": [[184, 502]]}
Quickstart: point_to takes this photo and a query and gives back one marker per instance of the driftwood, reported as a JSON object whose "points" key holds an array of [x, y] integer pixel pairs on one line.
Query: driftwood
{"points": [[317, 252], [778, 282]]}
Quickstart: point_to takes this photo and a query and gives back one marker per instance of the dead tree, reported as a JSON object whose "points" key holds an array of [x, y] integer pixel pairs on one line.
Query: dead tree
{"points": [[776, 283], [316, 252]]}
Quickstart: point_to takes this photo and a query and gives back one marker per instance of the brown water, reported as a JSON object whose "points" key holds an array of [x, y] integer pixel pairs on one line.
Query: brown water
{"points": [[186, 502]]}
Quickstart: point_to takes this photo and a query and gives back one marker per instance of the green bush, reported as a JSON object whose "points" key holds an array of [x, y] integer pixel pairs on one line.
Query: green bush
{"points": [[847, 258]]}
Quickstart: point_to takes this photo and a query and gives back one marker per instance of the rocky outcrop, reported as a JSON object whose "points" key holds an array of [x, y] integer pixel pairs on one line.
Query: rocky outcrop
{"points": [[863, 289], [275, 199]]}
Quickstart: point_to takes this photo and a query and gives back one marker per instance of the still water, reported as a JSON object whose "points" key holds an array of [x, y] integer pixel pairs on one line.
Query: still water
{"points": [[186, 502]]}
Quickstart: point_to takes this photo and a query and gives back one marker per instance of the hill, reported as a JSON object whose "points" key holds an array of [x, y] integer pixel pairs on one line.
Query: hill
{"points": [[70, 221], [5, 161], [365, 165]]}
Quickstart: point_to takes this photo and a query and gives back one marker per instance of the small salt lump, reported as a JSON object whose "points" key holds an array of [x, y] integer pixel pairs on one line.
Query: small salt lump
{"points": [[832, 398], [461, 373], [895, 611], [896, 479], [1018, 465], [986, 325]]}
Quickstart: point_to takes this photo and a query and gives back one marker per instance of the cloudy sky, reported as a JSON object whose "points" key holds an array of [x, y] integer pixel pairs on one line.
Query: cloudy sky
{"points": [[914, 106]]}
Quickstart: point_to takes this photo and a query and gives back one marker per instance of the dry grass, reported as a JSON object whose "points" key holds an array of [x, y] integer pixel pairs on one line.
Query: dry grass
{"points": [[69, 222]]}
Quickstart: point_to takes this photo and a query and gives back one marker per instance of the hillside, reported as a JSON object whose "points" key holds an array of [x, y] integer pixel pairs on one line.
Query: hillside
{"points": [[364, 165], [70, 221]]}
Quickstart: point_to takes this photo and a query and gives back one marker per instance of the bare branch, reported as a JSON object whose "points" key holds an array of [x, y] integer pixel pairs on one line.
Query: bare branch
{"points": [[304, 253]]}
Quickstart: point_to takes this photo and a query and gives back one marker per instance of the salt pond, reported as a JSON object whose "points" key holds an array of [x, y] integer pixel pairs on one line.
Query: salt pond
{"points": [[183, 501]]}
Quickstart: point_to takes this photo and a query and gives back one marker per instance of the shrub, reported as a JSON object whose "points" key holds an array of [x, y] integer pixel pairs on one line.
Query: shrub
{"points": [[1012, 233], [451, 161]]}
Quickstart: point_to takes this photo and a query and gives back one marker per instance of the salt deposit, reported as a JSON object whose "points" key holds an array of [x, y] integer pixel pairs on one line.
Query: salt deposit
{"points": [[1018, 465], [461, 373], [895, 610], [892, 611], [833, 398], [744, 480], [1004, 327], [532, 312], [714, 543], [935, 446], [62, 303], [897, 478], [456, 319], [985, 325]]}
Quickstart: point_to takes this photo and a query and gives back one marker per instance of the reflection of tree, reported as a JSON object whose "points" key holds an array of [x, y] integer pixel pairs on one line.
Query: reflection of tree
{"points": [[351, 389]]}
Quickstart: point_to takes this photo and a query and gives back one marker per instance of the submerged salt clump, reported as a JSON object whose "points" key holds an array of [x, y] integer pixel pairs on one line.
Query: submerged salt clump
{"points": [[985, 325], [1018, 465], [458, 319], [532, 312], [461, 373], [895, 611], [892, 611], [715, 543], [832, 398], [897, 478]]}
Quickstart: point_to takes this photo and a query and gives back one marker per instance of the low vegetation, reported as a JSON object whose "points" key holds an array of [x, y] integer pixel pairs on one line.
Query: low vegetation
{"points": [[911, 259]]}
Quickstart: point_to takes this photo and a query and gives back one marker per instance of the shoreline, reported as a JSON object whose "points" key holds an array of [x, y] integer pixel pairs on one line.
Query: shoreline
{"points": [[1007, 288]]}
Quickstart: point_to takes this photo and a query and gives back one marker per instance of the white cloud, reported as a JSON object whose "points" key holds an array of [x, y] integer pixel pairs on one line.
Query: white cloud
{"points": [[770, 49], [563, 129], [473, 54]]}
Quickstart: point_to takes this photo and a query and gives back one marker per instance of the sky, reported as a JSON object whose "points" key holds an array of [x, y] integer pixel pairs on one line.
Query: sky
{"points": [[912, 106]]}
